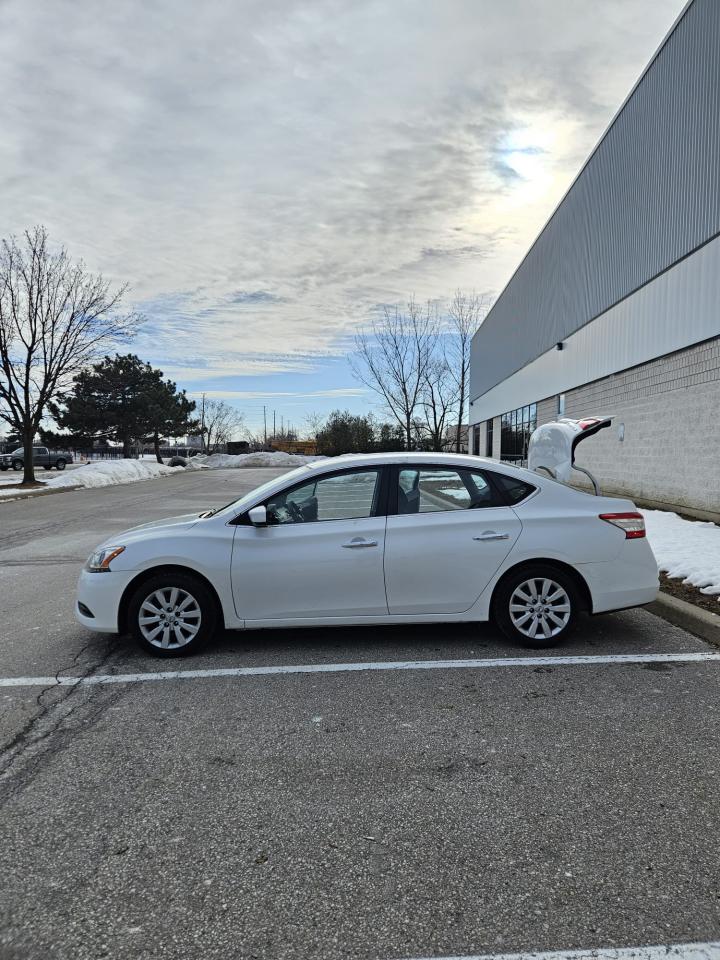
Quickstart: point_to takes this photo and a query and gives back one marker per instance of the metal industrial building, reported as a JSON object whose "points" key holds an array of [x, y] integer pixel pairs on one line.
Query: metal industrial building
{"points": [[615, 309]]}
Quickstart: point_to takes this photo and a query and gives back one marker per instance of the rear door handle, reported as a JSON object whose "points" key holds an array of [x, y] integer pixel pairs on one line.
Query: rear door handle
{"points": [[360, 542], [491, 535]]}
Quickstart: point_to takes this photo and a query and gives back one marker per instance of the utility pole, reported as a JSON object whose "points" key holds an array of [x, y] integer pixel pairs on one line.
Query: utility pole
{"points": [[274, 427], [265, 424], [202, 424]]}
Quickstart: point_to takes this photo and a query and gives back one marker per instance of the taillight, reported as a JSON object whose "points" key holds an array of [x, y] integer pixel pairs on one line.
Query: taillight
{"points": [[632, 523]]}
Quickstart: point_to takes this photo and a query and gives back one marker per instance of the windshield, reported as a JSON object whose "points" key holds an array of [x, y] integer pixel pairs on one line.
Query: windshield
{"points": [[238, 506]]}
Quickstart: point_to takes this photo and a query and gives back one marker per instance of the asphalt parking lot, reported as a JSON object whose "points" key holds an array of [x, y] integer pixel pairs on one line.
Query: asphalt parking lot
{"points": [[409, 810]]}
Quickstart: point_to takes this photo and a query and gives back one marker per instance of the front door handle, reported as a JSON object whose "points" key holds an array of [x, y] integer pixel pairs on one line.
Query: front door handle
{"points": [[360, 542], [491, 535]]}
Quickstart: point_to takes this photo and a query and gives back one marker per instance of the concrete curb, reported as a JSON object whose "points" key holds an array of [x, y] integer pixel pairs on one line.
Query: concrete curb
{"points": [[694, 619], [36, 492]]}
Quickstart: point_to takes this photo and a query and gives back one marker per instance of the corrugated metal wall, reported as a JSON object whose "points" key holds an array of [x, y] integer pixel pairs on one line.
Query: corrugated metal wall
{"points": [[649, 195]]}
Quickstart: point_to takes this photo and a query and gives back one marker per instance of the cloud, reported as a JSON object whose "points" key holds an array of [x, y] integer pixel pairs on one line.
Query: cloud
{"points": [[264, 173], [281, 394], [253, 297]]}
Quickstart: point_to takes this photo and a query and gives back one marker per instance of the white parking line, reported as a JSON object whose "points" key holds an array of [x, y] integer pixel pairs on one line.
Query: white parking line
{"points": [[104, 678], [676, 951]]}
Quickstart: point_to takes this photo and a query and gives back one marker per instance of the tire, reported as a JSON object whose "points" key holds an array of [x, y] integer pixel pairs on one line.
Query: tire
{"points": [[17, 465], [517, 612], [199, 611], [48, 467], [3, 468], [60, 464]]}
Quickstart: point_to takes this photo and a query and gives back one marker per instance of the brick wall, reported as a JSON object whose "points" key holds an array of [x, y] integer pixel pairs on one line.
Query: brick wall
{"points": [[670, 407], [546, 410]]}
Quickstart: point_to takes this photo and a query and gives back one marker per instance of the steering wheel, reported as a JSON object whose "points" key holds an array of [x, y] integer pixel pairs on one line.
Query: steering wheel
{"points": [[295, 511]]}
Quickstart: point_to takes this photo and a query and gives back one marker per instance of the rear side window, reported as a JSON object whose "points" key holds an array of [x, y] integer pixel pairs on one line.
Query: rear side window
{"points": [[514, 488], [437, 489]]}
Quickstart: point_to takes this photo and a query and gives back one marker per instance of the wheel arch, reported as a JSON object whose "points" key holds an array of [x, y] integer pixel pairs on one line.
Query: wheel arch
{"points": [[573, 572], [145, 575]]}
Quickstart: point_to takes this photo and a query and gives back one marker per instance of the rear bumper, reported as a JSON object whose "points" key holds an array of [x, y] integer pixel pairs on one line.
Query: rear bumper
{"points": [[631, 580]]}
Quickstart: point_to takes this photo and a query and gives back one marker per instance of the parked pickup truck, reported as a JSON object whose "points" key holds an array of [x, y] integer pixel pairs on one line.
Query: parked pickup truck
{"points": [[42, 457]]}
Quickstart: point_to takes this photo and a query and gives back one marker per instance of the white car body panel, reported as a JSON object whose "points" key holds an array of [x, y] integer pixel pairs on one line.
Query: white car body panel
{"points": [[309, 570], [435, 562], [425, 568]]}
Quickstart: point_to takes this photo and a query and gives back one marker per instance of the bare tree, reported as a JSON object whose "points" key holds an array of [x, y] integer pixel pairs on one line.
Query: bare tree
{"points": [[466, 313], [439, 401], [393, 359], [314, 423], [221, 423], [55, 318]]}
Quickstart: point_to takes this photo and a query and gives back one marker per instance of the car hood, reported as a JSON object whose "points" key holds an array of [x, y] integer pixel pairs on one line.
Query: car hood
{"points": [[187, 520]]}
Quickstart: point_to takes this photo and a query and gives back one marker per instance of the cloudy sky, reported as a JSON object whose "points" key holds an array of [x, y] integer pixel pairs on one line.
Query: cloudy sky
{"points": [[266, 173]]}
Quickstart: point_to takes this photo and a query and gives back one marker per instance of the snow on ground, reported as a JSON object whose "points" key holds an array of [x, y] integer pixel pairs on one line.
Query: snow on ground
{"points": [[106, 473], [225, 461], [686, 549], [102, 473]]}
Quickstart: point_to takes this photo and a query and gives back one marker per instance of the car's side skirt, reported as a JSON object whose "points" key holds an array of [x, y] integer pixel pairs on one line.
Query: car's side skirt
{"points": [[467, 617]]}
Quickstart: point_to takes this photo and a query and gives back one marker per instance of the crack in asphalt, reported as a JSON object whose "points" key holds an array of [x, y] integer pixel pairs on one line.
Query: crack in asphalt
{"points": [[48, 731]]}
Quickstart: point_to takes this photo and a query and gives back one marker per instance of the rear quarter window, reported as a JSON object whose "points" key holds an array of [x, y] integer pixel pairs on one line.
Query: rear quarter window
{"points": [[515, 489]]}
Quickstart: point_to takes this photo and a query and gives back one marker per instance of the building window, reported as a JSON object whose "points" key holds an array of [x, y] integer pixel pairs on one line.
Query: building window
{"points": [[515, 430], [561, 405], [476, 440], [489, 438]]}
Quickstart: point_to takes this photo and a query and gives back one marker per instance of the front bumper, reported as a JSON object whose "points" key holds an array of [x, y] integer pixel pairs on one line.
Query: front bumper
{"points": [[100, 595]]}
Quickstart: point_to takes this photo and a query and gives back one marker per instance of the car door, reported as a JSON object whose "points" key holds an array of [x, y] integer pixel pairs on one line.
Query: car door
{"points": [[448, 531], [320, 555]]}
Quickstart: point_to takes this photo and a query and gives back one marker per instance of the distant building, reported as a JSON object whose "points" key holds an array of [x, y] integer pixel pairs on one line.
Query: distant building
{"points": [[451, 436], [615, 309], [307, 448]]}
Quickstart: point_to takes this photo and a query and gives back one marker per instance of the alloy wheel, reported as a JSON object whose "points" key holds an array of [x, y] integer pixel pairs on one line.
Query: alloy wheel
{"points": [[540, 608]]}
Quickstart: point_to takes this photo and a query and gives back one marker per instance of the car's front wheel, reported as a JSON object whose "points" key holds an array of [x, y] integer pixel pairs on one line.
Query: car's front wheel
{"points": [[537, 605], [172, 614], [17, 464]]}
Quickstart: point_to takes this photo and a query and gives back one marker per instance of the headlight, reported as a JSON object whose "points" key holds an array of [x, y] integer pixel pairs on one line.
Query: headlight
{"points": [[99, 562]]}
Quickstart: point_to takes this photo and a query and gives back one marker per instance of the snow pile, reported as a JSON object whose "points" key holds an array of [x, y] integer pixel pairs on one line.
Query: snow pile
{"points": [[104, 473], [227, 461], [686, 549]]}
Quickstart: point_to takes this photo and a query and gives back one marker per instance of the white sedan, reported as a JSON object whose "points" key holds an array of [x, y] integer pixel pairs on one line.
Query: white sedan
{"points": [[376, 539]]}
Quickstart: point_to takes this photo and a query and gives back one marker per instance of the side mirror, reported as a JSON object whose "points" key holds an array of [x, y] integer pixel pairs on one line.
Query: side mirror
{"points": [[258, 516]]}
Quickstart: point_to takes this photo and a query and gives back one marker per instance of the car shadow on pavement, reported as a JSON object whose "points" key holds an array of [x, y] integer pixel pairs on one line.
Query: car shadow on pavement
{"points": [[627, 632], [635, 631]]}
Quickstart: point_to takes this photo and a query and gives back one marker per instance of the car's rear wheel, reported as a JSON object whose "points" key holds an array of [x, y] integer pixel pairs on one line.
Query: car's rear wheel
{"points": [[537, 605], [172, 614], [60, 464], [48, 467]]}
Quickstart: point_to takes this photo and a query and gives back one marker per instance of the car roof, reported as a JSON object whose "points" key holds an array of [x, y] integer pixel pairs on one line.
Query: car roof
{"points": [[415, 456]]}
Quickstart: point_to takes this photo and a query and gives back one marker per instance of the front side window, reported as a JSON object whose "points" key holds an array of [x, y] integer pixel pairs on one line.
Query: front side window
{"points": [[342, 496], [436, 489]]}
